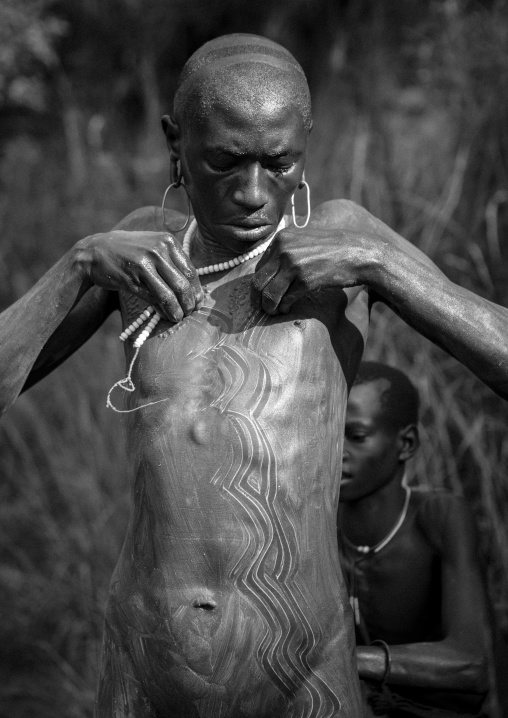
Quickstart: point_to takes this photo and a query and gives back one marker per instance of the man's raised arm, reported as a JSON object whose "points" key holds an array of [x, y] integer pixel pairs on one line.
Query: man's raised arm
{"points": [[345, 246], [27, 325], [73, 298]]}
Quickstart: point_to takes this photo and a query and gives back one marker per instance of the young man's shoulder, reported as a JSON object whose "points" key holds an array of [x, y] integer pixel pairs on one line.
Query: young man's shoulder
{"points": [[435, 501], [437, 511]]}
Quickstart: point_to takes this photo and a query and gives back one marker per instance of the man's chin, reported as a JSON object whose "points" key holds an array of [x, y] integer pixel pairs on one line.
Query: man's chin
{"points": [[347, 490]]}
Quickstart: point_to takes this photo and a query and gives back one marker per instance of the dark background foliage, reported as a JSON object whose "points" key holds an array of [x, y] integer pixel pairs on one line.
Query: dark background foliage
{"points": [[411, 118]]}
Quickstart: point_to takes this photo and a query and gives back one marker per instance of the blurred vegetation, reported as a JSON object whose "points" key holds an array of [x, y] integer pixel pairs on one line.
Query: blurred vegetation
{"points": [[411, 120]]}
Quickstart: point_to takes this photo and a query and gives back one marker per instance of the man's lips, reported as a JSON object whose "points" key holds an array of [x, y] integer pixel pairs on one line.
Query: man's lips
{"points": [[248, 223], [249, 230]]}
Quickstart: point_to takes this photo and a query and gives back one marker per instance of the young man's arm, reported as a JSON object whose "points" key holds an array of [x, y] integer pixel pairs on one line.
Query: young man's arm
{"points": [[458, 662], [345, 246], [74, 297]]}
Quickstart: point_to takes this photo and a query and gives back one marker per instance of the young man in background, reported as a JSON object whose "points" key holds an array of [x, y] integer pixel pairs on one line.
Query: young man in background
{"points": [[410, 563]]}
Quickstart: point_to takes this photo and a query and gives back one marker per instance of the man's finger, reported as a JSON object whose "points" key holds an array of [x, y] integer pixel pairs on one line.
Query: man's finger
{"points": [[164, 298], [294, 292], [274, 291], [266, 270], [179, 286], [183, 263]]}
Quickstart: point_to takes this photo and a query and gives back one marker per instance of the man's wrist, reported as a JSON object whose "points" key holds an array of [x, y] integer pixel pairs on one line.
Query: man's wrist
{"points": [[373, 663]]}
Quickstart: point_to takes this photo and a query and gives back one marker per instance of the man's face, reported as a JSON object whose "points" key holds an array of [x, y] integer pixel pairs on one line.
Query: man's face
{"points": [[241, 164], [371, 445]]}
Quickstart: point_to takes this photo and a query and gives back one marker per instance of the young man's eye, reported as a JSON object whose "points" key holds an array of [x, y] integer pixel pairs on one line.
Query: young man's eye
{"points": [[358, 438]]}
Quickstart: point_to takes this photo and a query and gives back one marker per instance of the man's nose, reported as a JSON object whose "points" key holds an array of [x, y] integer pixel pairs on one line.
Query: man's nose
{"points": [[252, 189]]}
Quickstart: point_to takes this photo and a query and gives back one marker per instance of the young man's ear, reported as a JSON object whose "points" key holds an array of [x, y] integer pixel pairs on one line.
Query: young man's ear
{"points": [[409, 442]]}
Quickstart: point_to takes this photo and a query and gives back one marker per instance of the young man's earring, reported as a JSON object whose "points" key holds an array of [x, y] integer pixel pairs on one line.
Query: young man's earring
{"points": [[302, 184], [175, 185]]}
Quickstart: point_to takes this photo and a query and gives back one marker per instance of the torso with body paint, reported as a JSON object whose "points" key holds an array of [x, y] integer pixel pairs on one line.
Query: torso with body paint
{"points": [[227, 599]]}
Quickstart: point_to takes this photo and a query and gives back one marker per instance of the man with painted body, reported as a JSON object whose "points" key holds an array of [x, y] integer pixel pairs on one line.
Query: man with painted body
{"points": [[409, 559], [228, 599]]}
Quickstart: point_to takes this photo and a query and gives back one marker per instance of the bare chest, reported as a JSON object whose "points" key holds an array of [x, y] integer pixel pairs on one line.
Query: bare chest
{"points": [[230, 347]]}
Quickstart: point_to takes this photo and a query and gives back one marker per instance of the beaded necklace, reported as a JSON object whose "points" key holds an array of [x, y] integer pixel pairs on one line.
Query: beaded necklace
{"points": [[219, 267]]}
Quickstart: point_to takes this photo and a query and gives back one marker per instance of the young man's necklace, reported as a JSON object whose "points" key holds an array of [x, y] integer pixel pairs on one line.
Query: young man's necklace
{"points": [[366, 551], [377, 547]]}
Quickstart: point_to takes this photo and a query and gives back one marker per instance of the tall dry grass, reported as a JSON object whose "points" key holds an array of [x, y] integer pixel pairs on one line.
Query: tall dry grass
{"points": [[62, 455], [64, 479]]}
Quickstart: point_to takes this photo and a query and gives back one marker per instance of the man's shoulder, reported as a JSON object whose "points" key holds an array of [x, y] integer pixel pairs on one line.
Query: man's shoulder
{"points": [[347, 215], [341, 213], [149, 219]]}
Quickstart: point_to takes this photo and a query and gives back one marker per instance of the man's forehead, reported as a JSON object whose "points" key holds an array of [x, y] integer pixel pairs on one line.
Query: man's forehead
{"points": [[250, 108], [255, 80], [236, 107]]}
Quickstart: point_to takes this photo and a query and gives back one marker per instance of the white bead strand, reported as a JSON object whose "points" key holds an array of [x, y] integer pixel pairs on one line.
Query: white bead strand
{"points": [[141, 339], [146, 314]]}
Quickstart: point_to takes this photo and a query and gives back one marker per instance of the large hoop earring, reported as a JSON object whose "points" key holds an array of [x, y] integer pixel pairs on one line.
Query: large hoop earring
{"points": [[175, 185], [302, 184]]}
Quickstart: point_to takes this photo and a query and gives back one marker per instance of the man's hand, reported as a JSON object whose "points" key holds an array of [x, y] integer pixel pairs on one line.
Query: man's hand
{"points": [[150, 265], [302, 261]]}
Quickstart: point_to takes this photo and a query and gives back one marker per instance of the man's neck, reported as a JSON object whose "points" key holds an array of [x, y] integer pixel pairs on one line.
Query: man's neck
{"points": [[367, 521], [207, 249]]}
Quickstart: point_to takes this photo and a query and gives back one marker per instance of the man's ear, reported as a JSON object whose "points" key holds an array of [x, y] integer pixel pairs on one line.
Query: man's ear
{"points": [[172, 132], [409, 441]]}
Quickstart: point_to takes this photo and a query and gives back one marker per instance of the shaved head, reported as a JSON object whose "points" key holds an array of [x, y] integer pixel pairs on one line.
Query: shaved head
{"points": [[240, 70], [397, 395]]}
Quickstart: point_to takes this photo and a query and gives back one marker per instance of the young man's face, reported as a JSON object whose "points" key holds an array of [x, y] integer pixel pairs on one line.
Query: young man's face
{"points": [[371, 446], [241, 165]]}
